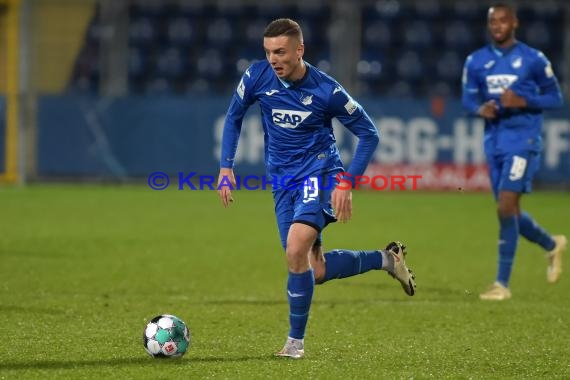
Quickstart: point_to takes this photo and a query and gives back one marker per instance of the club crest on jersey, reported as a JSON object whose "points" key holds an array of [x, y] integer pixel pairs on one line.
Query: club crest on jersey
{"points": [[288, 118], [307, 100], [496, 84], [516, 62]]}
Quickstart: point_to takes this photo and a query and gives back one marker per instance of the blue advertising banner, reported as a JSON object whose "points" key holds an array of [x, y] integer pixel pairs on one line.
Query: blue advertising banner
{"points": [[133, 137]]}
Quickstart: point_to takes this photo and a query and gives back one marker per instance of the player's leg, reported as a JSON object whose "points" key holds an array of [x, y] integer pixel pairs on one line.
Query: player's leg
{"points": [[297, 283], [507, 209], [554, 245], [510, 176], [342, 263], [300, 286], [507, 213]]}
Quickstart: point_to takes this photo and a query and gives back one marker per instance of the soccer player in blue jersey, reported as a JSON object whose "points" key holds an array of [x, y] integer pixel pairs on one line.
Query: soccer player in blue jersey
{"points": [[509, 84], [297, 104]]}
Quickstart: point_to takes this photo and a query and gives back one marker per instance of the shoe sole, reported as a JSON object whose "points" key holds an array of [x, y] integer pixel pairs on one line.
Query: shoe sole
{"points": [[280, 355]]}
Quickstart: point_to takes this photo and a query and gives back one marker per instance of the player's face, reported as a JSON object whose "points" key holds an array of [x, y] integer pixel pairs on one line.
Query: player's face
{"points": [[285, 56], [501, 24]]}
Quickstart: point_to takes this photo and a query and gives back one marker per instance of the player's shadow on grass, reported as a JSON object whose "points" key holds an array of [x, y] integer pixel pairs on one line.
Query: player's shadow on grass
{"points": [[426, 292], [122, 362]]}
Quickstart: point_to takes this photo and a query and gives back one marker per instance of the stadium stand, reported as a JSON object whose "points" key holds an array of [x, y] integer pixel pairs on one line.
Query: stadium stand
{"points": [[408, 48]]}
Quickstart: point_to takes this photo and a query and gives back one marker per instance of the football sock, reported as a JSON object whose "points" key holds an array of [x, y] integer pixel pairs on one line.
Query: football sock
{"points": [[341, 263], [535, 233], [300, 288], [508, 238]]}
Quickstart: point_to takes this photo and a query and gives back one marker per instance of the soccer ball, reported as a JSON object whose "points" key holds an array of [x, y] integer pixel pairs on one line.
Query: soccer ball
{"points": [[166, 336]]}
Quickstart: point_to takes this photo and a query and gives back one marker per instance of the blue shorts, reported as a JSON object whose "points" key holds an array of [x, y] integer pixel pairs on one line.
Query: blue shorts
{"points": [[307, 202], [513, 171]]}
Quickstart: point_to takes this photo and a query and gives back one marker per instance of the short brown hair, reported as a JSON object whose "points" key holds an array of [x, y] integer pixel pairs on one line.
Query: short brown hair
{"points": [[283, 27]]}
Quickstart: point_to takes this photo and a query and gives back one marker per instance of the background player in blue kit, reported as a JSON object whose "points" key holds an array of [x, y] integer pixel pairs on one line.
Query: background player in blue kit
{"points": [[297, 104], [509, 84]]}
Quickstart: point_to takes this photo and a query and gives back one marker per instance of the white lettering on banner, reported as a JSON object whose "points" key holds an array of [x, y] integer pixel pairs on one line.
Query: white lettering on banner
{"points": [[468, 140], [391, 140], [419, 141], [416, 141], [557, 141], [422, 145]]}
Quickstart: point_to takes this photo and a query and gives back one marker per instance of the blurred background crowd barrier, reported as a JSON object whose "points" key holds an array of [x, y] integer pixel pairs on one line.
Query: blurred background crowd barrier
{"points": [[114, 90]]}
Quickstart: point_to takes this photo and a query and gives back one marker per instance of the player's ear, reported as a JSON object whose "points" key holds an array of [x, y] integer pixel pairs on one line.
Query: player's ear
{"points": [[300, 51]]}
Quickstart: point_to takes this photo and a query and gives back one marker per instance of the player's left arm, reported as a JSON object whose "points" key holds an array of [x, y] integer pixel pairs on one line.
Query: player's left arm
{"points": [[549, 95], [351, 114]]}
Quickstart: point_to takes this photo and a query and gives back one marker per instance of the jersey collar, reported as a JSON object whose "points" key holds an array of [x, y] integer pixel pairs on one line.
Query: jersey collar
{"points": [[501, 52]]}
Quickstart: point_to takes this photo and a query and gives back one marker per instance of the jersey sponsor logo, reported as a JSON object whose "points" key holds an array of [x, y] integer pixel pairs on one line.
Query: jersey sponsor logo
{"points": [[247, 73], [496, 84], [489, 64], [241, 89], [288, 118], [271, 92], [337, 89]]}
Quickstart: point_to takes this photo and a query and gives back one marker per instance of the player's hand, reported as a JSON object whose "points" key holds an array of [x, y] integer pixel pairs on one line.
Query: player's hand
{"points": [[342, 204], [224, 191], [488, 110], [509, 99]]}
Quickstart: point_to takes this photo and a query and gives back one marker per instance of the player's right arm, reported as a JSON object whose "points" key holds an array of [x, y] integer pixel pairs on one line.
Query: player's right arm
{"points": [[239, 105], [471, 95]]}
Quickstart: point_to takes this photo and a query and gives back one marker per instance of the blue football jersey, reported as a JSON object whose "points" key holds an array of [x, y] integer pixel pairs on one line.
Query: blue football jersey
{"points": [[526, 71], [296, 118]]}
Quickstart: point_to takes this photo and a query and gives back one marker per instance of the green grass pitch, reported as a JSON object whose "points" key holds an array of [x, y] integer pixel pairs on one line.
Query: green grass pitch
{"points": [[83, 268]]}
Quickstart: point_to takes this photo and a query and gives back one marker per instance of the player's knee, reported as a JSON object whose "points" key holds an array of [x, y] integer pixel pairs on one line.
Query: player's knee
{"points": [[506, 209], [293, 254]]}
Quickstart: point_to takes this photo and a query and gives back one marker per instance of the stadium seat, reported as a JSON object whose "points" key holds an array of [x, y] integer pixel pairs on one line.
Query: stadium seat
{"points": [[417, 35], [449, 65], [210, 64], [427, 10], [142, 31], [147, 8], [537, 35], [219, 32], [409, 66], [180, 32], [468, 10], [170, 63], [377, 35], [457, 35]]}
